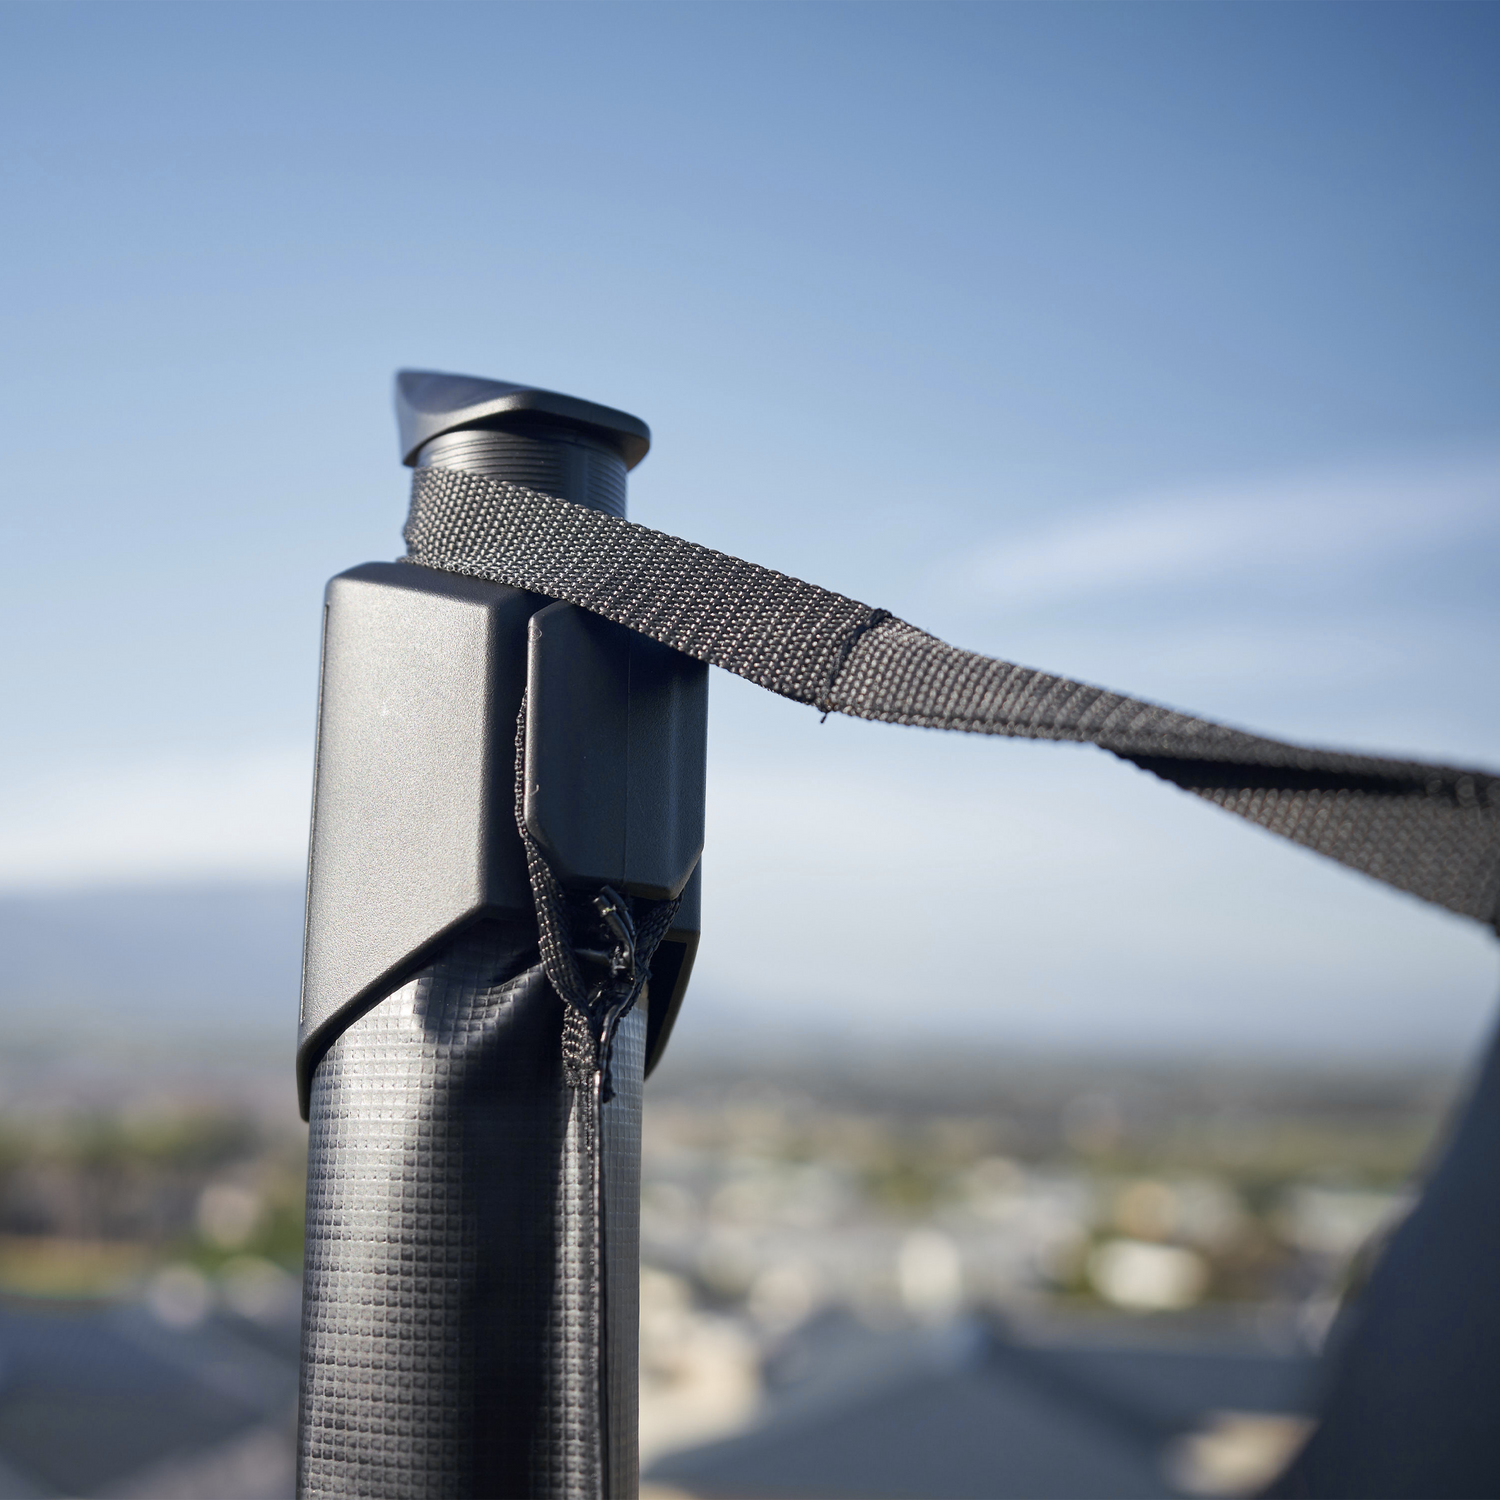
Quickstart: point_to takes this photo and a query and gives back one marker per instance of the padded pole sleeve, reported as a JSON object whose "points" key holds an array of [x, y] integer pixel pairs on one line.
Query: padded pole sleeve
{"points": [[470, 1315]]}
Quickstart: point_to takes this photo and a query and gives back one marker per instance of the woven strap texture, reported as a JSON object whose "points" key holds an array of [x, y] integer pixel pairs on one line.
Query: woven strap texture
{"points": [[1428, 829]]}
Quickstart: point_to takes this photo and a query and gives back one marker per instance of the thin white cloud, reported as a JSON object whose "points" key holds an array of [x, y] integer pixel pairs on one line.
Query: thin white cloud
{"points": [[237, 816], [1325, 520]]}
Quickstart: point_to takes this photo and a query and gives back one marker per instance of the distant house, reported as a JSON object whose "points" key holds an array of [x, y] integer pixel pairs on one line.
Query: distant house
{"points": [[105, 1400], [975, 1412]]}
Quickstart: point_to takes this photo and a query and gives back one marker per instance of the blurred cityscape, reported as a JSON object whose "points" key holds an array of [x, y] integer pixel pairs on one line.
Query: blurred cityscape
{"points": [[1038, 1275], [1071, 1226]]}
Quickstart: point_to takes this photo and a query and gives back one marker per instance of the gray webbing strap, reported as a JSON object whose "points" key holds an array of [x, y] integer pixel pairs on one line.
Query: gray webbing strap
{"points": [[1428, 829]]}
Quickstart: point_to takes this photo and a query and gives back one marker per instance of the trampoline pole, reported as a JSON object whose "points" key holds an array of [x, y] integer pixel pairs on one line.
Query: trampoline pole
{"points": [[472, 1259]]}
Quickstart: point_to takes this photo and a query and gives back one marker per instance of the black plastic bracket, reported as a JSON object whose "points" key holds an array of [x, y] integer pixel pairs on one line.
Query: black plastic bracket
{"points": [[414, 834], [616, 738]]}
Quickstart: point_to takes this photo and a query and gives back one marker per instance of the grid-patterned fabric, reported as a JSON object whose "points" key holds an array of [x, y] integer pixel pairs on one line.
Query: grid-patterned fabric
{"points": [[459, 1330], [1429, 829]]}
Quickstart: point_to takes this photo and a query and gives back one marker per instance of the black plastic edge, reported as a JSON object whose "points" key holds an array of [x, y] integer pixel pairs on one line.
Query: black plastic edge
{"points": [[430, 403]]}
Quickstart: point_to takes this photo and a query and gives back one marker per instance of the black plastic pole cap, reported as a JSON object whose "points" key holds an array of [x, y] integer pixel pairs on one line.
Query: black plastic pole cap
{"points": [[429, 403]]}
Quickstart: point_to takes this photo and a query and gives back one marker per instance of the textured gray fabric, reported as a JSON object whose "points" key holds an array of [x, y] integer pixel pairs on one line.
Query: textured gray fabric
{"points": [[457, 1332], [1429, 829]]}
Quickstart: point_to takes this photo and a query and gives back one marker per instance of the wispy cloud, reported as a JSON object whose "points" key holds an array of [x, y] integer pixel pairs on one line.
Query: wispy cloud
{"points": [[237, 816], [1328, 520]]}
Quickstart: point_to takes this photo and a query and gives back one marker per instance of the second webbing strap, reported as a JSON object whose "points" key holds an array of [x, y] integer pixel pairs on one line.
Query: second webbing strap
{"points": [[1432, 830]]}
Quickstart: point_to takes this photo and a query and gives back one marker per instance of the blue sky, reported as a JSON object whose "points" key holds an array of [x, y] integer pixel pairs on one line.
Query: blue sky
{"points": [[1149, 344]]}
